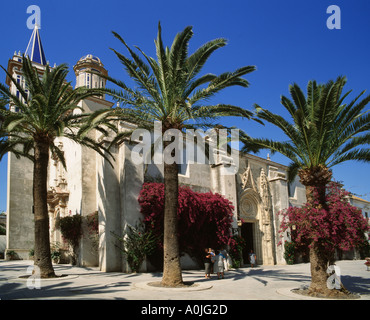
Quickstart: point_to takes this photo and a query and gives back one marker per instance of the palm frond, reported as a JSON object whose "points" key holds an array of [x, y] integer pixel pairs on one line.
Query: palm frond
{"points": [[360, 155], [47, 110], [197, 60], [169, 90], [221, 82], [323, 130]]}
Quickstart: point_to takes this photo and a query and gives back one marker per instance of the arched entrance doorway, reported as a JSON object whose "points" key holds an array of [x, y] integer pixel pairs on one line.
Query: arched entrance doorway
{"points": [[255, 214], [246, 231], [249, 228]]}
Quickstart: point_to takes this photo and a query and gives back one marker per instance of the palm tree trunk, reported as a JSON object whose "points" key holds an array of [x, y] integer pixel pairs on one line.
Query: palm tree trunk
{"points": [[319, 265], [318, 258], [172, 275], [41, 217]]}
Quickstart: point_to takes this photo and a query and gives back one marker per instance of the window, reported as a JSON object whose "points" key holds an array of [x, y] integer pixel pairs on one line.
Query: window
{"points": [[88, 80], [183, 168], [292, 189]]}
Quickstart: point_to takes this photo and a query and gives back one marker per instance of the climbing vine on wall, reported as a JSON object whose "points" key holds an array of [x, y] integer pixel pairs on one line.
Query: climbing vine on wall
{"points": [[71, 230]]}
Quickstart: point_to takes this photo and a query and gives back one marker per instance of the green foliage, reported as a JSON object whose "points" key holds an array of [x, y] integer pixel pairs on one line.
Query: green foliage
{"points": [[169, 87], [55, 252], [136, 244], [47, 108], [237, 244], [289, 251], [12, 255], [2, 230], [321, 129], [364, 248]]}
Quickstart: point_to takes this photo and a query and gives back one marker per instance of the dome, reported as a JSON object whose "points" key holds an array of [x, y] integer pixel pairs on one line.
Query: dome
{"points": [[90, 57], [89, 63], [90, 72]]}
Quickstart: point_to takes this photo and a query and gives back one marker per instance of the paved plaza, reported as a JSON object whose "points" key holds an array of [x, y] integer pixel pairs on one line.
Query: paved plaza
{"points": [[259, 283]]}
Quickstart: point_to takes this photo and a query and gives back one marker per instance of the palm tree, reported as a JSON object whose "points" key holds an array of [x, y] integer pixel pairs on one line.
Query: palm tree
{"points": [[46, 110], [323, 132], [170, 91]]}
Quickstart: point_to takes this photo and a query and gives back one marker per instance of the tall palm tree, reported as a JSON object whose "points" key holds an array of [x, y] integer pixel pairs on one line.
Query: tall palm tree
{"points": [[170, 90], [47, 108], [323, 131]]}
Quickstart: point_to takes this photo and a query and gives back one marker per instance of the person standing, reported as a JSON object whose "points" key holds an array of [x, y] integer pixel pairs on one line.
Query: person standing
{"points": [[207, 263], [226, 260], [213, 258], [252, 258], [220, 258]]}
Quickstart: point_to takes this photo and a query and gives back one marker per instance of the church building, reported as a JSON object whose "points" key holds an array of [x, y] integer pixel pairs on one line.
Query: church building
{"points": [[258, 190]]}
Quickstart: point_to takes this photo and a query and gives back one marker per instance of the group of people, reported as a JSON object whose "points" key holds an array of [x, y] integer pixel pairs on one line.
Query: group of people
{"points": [[218, 262], [215, 262]]}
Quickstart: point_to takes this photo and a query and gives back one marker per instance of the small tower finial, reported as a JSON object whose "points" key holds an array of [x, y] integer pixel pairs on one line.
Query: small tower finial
{"points": [[34, 50]]}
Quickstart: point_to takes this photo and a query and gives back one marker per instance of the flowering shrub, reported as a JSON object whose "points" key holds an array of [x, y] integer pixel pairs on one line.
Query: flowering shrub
{"points": [[70, 227], [337, 226], [92, 222], [367, 262], [204, 219]]}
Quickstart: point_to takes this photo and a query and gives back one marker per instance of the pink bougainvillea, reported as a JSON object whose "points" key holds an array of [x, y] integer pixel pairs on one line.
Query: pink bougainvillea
{"points": [[339, 225], [204, 219]]}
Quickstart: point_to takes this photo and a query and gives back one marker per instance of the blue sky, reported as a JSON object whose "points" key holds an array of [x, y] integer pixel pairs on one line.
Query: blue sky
{"points": [[288, 41]]}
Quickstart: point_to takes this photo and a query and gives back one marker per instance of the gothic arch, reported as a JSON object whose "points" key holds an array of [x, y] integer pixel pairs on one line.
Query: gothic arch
{"points": [[249, 205]]}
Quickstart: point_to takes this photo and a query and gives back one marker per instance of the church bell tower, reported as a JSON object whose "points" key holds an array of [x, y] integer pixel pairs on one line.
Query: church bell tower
{"points": [[20, 224]]}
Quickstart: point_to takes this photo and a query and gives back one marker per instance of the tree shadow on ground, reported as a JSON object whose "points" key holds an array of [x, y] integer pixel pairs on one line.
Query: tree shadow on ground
{"points": [[60, 290], [356, 284], [259, 274]]}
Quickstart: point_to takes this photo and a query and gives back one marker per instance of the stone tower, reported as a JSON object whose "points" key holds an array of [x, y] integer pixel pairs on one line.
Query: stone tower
{"points": [[20, 225]]}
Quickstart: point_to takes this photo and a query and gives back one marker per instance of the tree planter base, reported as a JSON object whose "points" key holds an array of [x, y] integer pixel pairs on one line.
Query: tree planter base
{"points": [[327, 294]]}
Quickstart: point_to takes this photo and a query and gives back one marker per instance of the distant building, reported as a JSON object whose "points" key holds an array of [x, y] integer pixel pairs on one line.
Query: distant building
{"points": [[363, 204]]}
